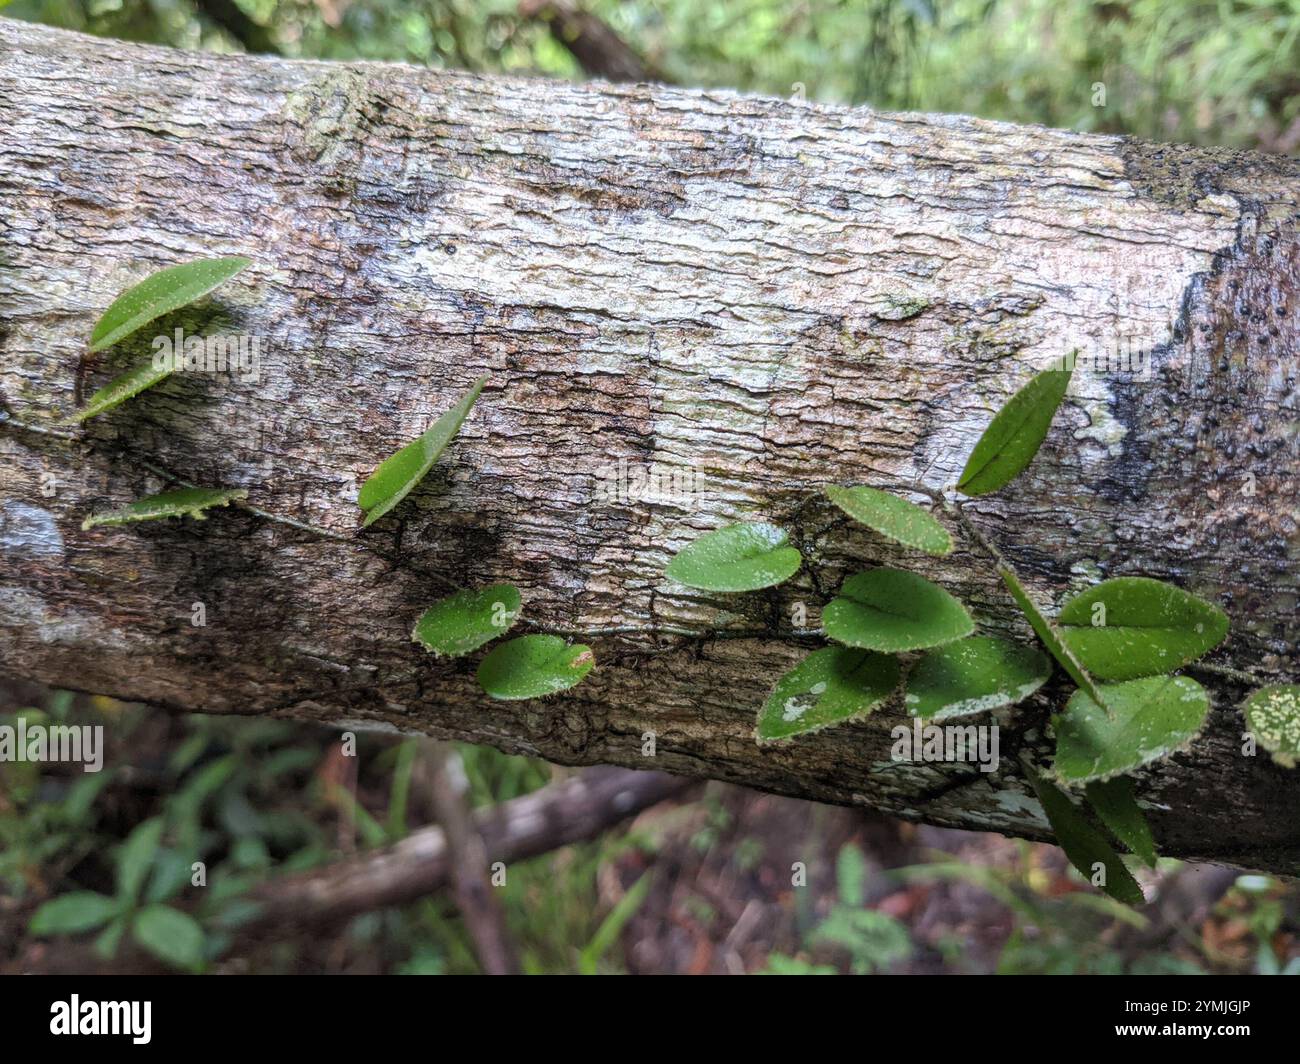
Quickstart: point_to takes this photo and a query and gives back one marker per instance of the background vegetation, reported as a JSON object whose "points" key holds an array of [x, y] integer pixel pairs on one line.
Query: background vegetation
{"points": [[703, 884]]}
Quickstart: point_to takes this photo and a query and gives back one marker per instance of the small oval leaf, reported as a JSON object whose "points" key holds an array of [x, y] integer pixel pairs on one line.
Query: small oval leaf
{"points": [[828, 687], [161, 293], [1153, 717], [184, 502], [532, 666], [742, 557], [893, 517], [893, 610], [71, 914], [1273, 714], [120, 389], [1014, 435], [1115, 805], [1132, 626], [1051, 638], [463, 622], [172, 936], [1083, 844], [393, 480], [973, 676]]}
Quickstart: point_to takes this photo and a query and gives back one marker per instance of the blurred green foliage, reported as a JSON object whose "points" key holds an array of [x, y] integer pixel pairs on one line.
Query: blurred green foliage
{"points": [[1224, 72]]}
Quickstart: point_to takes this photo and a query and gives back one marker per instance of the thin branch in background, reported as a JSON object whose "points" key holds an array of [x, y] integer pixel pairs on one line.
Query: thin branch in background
{"points": [[600, 51], [573, 810], [256, 38], [479, 906]]}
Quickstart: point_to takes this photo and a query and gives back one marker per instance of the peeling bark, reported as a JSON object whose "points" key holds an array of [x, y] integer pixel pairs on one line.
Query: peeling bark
{"points": [[764, 295]]}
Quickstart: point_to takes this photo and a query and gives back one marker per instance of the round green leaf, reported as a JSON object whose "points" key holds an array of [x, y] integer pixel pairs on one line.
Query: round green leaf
{"points": [[742, 557], [1014, 435], [170, 935], [1153, 718], [73, 913], [973, 676], [466, 620], [1133, 626], [893, 610], [829, 686], [532, 666], [900, 520], [1273, 714]]}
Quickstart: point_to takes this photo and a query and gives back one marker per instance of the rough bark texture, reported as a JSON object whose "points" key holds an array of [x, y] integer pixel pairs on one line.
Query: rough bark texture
{"points": [[769, 295]]}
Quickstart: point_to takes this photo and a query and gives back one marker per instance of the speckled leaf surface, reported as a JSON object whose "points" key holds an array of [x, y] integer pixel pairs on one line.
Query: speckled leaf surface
{"points": [[159, 294], [1273, 715], [743, 557], [1149, 628], [465, 621], [893, 517], [121, 388], [973, 676], [184, 502], [532, 666], [828, 687], [1153, 717], [892, 610]]}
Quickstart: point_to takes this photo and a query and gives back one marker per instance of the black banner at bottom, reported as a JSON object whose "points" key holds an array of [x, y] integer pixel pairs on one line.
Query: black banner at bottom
{"points": [[337, 1014]]}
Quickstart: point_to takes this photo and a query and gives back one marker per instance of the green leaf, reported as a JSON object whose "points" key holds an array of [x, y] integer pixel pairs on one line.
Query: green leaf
{"points": [[893, 610], [1114, 803], [106, 943], [466, 620], [534, 665], [1153, 717], [135, 858], [1273, 715], [396, 476], [742, 557], [1131, 627], [828, 687], [159, 294], [184, 502], [172, 936], [899, 520], [73, 913], [120, 389], [974, 676], [1051, 638], [1083, 844], [1015, 434]]}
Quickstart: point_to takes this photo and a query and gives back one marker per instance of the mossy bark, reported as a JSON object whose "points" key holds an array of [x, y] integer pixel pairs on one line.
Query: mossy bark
{"points": [[749, 297]]}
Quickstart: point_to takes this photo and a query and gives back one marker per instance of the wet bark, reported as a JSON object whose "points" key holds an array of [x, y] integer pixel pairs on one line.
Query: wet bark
{"points": [[747, 297]]}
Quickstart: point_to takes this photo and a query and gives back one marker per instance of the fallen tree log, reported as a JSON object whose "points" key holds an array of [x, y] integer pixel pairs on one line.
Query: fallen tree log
{"points": [[693, 308]]}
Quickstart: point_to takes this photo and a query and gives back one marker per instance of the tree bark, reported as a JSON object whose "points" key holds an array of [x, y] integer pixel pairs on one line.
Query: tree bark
{"points": [[757, 296]]}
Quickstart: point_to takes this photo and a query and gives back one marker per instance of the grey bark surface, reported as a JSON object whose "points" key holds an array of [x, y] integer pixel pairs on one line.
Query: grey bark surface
{"points": [[765, 295]]}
